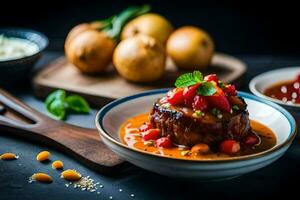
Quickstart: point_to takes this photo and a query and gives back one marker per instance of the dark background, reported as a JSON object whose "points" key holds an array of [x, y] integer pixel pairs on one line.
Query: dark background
{"points": [[238, 27]]}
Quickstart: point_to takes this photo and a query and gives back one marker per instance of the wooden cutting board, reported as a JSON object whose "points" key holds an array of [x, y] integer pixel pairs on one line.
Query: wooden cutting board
{"points": [[101, 89]]}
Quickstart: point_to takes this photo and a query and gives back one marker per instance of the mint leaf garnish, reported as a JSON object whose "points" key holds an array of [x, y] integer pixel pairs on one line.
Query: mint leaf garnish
{"points": [[189, 79], [58, 104], [206, 89], [78, 104]]}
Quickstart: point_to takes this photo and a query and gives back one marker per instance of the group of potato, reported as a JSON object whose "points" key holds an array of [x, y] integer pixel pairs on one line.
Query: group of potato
{"points": [[140, 55]]}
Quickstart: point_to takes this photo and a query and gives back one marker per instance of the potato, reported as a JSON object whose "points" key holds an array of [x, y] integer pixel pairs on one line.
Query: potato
{"points": [[90, 51], [190, 48], [150, 24], [140, 59]]}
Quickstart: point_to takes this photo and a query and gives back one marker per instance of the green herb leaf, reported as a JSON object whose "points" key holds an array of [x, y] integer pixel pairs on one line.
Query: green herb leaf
{"points": [[58, 104], [57, 109], [78, 104], [189, 79], [222, 85], [206, 89], [58, 94], [215, 111], [235, 107]]}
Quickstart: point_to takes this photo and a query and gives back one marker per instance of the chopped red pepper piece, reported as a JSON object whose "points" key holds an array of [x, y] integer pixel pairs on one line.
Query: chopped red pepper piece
{"points": [[164, 142], [211, 77], [151, 134], [200, 103], [230, 90], [175, 97], [230, 146], [145, 127], [189, 94], [219, 100]]}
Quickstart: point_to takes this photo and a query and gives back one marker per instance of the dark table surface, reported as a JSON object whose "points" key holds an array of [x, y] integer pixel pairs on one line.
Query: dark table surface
{"points": [[276, 179]]}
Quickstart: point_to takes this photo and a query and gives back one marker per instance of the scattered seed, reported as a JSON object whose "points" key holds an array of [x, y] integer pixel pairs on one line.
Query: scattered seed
{"points": [[101, 186], [120, 190], [110, 197], [186, 153], [43, 156], [41, 177], [57, 164], [149, 143], [132, 195], [98, 192], [71, 175], [9, 156]]}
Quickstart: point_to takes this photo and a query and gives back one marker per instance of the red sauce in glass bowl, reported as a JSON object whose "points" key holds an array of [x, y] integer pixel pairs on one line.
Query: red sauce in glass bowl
{"points": [[287, 91]]}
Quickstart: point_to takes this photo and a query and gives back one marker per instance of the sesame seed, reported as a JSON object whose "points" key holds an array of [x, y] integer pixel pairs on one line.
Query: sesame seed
{"points": [[120, 190], [132, 195], [296, 85], [101, 186], [284, 99], [294, 95], [283, 89], [110, 197]]}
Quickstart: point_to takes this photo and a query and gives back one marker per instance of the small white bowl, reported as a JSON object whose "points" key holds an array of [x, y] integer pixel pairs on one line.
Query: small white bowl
{"points": [[112, 116], [261, 82]]}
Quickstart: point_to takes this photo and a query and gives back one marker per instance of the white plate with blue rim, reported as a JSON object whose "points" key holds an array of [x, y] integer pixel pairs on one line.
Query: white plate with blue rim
{"points": [[111, 117]]}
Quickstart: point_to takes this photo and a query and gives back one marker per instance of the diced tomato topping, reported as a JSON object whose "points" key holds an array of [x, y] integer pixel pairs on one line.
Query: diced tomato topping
{"points": [[151, 134], [200, 103], [189, 94], [145, 127], [230, 90], [230, 146], [251, 140], [211, 77], [164, 142], [219, 100], [175, 97]]}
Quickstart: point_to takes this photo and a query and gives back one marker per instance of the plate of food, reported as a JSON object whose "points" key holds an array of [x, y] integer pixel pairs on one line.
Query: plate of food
{"points": [[203, 129]]}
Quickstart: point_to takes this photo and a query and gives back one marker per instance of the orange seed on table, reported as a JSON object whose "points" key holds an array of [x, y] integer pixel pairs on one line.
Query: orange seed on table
{"points": [[57, 164], [71, 175], [42, 156], [42, 177], [9, 156]]}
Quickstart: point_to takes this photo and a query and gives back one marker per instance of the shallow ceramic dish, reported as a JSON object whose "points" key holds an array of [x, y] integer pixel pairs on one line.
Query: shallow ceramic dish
{"points": [[261, 82], [15, 69], [111, 117]]}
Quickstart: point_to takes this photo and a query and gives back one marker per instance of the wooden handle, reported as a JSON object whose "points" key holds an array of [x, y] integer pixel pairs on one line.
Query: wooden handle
{"points": [[82, 143]]}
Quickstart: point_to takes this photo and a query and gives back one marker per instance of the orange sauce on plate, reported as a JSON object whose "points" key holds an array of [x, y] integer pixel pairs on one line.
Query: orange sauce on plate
{"points": [[131, 136]]}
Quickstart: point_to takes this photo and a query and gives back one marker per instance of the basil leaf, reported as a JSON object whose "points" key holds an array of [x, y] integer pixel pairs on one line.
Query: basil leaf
{"points": [[58, 94], [78, 104], [188, 79], [206, 89], [57, 109]]}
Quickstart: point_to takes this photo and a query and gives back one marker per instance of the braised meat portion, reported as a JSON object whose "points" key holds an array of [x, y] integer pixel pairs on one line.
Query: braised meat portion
{"points": [[183, 127]]}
